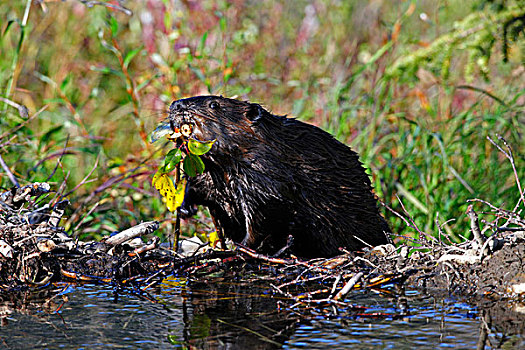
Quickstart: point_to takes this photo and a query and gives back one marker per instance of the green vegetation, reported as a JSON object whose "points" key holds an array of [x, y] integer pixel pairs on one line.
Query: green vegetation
{"points": [[188, 154], [416, 87]]}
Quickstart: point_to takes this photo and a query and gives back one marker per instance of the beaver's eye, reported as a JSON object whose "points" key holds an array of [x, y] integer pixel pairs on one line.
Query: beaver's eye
{"points": [[214, 105], [186, 130]]}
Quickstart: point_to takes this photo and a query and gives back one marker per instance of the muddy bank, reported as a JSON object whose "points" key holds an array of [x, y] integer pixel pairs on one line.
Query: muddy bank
{"points": [[499, 274]]}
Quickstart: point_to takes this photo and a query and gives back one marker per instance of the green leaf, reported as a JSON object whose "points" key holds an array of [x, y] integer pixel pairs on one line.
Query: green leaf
{"points": [[130, 56], [113, 24], [172, 159], [64, 83], [201, 45], [222, 24], [53, 100], [193, 165], [173, 339], [9, 23], [166, 168], [107, 70], [173, 156], [199, 147], [198, 73], [147, 81]]}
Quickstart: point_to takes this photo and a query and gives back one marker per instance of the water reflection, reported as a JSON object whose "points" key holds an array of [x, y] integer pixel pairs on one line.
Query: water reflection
{"points": [[223, 313]]}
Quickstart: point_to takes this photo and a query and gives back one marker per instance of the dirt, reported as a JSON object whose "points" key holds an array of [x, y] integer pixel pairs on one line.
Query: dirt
{"points": [[500, 274]]}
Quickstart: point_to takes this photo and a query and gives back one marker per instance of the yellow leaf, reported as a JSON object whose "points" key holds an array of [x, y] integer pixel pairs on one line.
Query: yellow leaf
{"points": [[155, 178], [173, 196], [177, 197], [213, 238]]}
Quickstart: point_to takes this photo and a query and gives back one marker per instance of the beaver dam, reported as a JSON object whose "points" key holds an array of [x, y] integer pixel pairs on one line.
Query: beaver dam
{"points": [[39, 261]]}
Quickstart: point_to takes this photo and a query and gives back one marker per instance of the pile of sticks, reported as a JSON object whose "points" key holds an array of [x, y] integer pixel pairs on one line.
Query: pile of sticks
{"points": [[35, 251]]}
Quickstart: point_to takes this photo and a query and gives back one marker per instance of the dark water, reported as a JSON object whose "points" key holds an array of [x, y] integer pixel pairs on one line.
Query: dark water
{"points": [[225, 315]]}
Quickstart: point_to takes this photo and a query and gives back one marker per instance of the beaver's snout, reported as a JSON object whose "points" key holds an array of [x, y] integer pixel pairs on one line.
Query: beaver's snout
{"points": [[181, 119], [178, 106], [189, 118]]}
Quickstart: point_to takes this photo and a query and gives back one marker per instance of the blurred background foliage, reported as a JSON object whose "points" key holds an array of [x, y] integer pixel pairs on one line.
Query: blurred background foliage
{"points": [[414, 86]]}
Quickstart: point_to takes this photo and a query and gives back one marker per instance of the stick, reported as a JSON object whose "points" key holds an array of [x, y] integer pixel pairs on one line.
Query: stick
{"points": [[9, 173], [177, 218], [349, 285], [255, 255], [510, 157], [135, 231], [474, 225]]}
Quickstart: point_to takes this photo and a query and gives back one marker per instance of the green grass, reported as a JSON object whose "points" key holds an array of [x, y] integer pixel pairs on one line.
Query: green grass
{"points": [[96, 81]]}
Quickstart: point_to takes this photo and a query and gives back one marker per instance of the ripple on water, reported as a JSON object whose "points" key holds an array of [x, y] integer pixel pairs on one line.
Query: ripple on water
{"points": [[174, 316]]}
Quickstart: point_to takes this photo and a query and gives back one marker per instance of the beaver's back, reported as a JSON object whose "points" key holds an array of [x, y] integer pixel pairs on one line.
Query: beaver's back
{"points": [[272, 176]]}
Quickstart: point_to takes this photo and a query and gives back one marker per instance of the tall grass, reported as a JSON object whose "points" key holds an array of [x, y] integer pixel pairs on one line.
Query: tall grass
{"points": [[96, 80]]}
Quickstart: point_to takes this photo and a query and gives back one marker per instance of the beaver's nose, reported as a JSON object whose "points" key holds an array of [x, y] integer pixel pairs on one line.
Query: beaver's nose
{"points": [[178, 106]]}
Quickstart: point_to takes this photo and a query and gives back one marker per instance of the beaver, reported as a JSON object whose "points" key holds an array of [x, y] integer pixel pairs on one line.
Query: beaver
{"points": [[267, 177]]}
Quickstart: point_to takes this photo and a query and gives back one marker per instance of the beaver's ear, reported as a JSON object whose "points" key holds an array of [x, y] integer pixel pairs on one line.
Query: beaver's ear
{"points": [[254, 112]]}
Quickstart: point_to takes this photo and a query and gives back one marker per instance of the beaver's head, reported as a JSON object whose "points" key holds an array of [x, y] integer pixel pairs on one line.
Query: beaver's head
{"points": [[207, 118]]}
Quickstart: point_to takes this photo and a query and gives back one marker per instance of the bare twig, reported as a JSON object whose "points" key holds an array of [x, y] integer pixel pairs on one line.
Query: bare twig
{"points": [[146, 248], [21, 125], [80, 222], [255, 255], [135, 231], [410, 222], [58, 161], [84, 179], [348, 286], [57, 212], [177, 217], [10, 175], [474, 225], [111, 5], [510, 157], [22, 110]]}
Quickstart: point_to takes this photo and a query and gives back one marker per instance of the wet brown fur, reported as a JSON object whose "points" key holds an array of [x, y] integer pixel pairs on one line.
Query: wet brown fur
{"points": [[269, 176]]}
